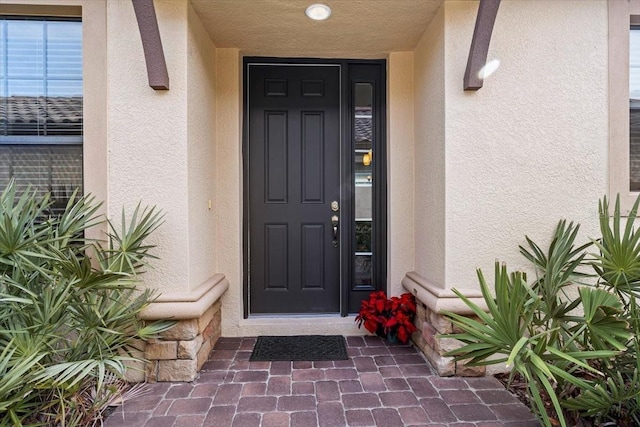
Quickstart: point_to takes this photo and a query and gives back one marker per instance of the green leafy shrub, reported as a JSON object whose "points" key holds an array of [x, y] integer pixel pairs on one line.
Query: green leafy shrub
{"points": [[578, 354], [68, 308]]}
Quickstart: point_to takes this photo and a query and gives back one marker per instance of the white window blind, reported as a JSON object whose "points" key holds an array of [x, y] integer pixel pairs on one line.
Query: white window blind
{"points": [[41, 103]]}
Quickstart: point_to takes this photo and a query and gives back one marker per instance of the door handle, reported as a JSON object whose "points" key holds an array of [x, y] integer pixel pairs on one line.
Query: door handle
{"points": [[334, 223]]}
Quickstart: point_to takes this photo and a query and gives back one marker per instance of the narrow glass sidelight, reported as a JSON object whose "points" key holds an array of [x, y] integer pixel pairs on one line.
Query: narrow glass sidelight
{"points": [[634, 108], [363, 177], [367, 248]]}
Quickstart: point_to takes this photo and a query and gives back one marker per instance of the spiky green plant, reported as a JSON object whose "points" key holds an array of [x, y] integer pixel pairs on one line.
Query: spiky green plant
{"points": [[617, 264], [508, 329], [577, 351], [67, 324], [618, 260]]}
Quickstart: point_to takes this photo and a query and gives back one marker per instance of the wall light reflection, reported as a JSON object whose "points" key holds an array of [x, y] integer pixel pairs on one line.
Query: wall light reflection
{"points": [[488, 69]]}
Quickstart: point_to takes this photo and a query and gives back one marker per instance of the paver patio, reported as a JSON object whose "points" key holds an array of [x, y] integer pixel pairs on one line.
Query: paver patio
{"points": [[381, 384]]}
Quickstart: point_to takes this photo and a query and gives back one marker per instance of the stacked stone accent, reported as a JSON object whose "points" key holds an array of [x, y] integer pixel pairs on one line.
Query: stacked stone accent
{"points": [[181, 351], [427, 338]]}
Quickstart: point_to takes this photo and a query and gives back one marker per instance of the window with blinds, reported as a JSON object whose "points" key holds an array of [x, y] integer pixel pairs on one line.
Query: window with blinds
{"points": [[634, 108], [41, 104]]}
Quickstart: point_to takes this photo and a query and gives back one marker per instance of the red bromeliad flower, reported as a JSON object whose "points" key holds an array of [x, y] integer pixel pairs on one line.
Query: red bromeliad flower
{"points": [[388, 317], [372, 312]]}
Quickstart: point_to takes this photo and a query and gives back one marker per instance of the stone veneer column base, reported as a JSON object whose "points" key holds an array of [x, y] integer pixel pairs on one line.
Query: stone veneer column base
{"points": [[181, 351], [431, 300]]}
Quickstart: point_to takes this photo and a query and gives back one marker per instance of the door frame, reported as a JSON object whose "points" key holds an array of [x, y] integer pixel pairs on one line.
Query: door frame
{"points": [[347, 204]]}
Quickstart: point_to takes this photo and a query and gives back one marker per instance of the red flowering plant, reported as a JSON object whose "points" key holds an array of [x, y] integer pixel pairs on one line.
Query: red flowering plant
{"points": [[388, 317]]}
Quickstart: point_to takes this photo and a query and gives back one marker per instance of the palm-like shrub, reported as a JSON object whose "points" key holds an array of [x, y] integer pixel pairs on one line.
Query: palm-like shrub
{"points": [[578, 352], [68, 308]]}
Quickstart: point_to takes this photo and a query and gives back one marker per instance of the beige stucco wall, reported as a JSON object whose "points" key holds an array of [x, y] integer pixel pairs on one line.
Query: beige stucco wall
{"points": [[526, 150], [400, 169], [94, 54], [147, 132], [161, 143], [535, 149], [201, 150], [429, 154], [228, 181]]}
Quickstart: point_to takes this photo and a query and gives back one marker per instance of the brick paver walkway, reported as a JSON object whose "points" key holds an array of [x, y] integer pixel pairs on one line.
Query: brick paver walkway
{"points": [[380, 385]]}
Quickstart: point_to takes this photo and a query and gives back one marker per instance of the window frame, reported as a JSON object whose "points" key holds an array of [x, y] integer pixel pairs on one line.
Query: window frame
{"points": [[55, 139], [622, 15], [45, 143], [95, 81]]}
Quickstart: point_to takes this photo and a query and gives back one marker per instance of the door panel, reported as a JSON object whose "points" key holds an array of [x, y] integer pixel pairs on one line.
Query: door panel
{"points": [[276, 256], [275, 157], [313, 263], [312, 157], [293, 176]]}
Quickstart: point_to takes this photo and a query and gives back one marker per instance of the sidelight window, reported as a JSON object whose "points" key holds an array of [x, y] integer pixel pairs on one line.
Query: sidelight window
{"points": [[368, 251], [364, 158]]}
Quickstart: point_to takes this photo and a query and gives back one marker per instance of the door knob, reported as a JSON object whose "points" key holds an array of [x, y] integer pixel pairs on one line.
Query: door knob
{"points": [[334, 223]]}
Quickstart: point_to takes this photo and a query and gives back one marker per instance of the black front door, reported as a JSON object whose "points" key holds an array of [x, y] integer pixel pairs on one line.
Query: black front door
{"points": [[292, 165]]}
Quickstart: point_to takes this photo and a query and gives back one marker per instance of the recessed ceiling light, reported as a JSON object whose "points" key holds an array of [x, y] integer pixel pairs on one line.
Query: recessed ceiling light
{"points": [[318, 12]]}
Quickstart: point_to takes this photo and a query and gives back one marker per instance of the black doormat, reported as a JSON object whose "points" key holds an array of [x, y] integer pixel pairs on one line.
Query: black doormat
{"points": [[300, 347]]}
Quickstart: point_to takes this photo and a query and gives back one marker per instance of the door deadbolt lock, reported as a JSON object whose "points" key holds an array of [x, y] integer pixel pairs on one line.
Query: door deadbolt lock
{"points": [[335, 206]]}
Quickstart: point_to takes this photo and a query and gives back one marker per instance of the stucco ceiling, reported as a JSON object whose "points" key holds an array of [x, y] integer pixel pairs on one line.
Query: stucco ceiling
{"points": [[356, 28]]}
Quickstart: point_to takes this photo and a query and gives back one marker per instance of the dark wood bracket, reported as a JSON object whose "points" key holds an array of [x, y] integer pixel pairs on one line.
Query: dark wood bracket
{"points": [[151, 44], [487, 12]]}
